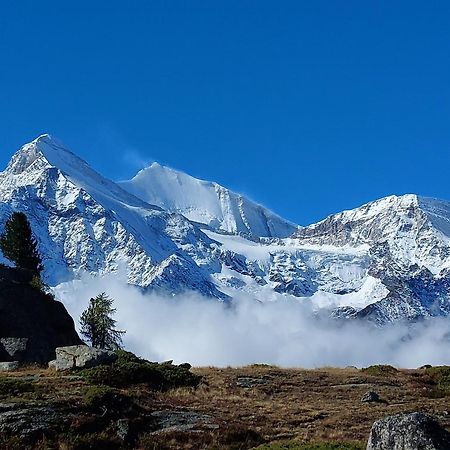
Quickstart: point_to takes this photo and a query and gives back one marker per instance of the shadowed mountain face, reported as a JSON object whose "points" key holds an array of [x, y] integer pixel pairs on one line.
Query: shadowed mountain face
{"points": [[388, 260], [32, 324]]}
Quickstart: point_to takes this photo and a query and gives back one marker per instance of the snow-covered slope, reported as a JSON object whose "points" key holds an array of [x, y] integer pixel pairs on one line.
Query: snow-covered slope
{"points": [[206, 203], [84, 222], [417, 229], [385, 261]]}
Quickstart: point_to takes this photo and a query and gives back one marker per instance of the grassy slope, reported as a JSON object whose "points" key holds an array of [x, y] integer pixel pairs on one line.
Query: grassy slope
{"points": [[284, 406]]}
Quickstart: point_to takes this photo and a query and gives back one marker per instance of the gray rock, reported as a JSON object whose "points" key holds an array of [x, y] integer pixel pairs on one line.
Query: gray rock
{"points": [[14, 347], [32, 323], [370, 397], [30, 422], [414, 431], [10, 366], [181, 421], [81, 357], [249, 382]]}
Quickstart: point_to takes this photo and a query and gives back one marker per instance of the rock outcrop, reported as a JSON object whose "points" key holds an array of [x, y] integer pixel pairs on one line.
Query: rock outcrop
{"points": [[81, 357], [32, 323], [370, 397], [414, 431]]}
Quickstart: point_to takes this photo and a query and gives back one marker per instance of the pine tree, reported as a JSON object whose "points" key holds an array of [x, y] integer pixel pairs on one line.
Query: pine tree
{"points": [[98, 326], [18, 244]]}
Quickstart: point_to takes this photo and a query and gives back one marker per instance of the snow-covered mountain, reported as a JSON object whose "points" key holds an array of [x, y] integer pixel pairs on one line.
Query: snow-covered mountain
{"points": [[385, 261], [206, 203], [84, 222]]}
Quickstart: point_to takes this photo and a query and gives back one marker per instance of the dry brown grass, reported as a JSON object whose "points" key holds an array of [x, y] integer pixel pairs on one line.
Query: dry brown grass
{"points": [[308, 405], [289, 404]]}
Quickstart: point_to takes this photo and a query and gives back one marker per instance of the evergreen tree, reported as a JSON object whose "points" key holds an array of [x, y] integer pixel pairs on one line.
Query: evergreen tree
{"points": [[18, 244], [98, 326]]}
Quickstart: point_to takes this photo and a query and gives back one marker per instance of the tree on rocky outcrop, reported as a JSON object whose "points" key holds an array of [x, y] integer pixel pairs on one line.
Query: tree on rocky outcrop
{"points": [[18, 244], [98, 325]]}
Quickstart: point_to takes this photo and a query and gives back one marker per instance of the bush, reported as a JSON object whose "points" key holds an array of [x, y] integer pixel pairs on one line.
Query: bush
{"points": [[97, 397], [440, 377], [128, 369], [14, 386], [380, 370], [237, 437]]}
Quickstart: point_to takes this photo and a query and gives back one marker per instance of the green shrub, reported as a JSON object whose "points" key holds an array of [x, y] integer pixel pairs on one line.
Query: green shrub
{"points": [[380, 370], [440, 377], [14, 386], [105, 399], [129, 370]]}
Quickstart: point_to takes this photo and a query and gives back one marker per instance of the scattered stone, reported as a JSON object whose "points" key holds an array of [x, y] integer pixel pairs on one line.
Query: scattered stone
{"points": [[181, 421], [81, 357], [10, 366], [370, 397], [414, 431], [249, 382]]}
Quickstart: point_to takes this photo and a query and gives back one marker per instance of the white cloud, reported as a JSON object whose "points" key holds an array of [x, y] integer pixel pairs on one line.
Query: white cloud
{"points": [[206, 332]]}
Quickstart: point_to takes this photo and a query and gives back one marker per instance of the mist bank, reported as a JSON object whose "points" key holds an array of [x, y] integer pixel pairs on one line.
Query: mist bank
{"points": [[288, 333]]}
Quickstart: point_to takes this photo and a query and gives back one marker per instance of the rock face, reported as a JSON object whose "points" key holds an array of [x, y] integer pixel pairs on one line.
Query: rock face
{"points": [[415, 431], [81, 357], [32, 323], [30, 422], [15, 348]]}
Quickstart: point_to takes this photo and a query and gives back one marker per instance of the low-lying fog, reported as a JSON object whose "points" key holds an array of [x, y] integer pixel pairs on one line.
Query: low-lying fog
{"points": [[206, 332]]}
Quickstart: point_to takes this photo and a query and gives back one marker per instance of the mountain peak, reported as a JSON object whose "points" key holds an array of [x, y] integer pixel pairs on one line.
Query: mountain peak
{"points": [[42, 152], [206, 202]]}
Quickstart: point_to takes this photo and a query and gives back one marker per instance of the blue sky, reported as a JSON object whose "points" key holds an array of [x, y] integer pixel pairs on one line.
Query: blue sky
{"points": [[306, 107]]}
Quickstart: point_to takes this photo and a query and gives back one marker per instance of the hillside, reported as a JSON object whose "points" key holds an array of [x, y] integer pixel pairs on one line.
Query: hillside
{"points": [[238, 408]]}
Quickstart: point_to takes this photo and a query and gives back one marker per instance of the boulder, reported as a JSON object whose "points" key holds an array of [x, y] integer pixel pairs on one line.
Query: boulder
{"points": [[14, 347], [414, 431], [370, 397], [9, 366], [32, 323], [81, 357]]}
